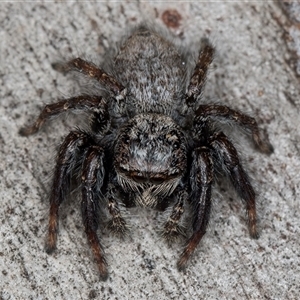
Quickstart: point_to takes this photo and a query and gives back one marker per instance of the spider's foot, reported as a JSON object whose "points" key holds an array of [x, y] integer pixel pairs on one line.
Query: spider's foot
{"points": [[118, 226], [61, 67], [183, 260], [263, 144], [252, 223], [171, 234], [103, 271], [101, 262], [26, 131], [98, 253], [253, 231], [52, 231], [189, 249], [50, 245], [266, 147], [49, 248]]}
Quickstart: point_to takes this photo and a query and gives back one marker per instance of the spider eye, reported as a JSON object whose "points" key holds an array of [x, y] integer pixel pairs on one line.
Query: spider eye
{"points": [[138, 177], [123, 170], [176, 145], [157, 180]]}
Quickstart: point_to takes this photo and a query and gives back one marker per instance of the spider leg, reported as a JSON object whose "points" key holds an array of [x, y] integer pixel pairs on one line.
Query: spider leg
{"points": [[228, 155], [198, 78], [92, 181], [171, 227], [219, 111], [202, 173], [84, 102], [91, 70], [117, 224], [66, 162]]}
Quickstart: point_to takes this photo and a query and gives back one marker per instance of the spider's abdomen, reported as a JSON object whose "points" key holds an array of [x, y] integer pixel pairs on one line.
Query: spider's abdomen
{"points": [[153, 71]]}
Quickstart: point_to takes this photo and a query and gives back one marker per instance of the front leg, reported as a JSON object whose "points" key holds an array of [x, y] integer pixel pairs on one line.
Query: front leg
{"points": [[91, 70], [67, 160], [198, 78], [201, 179], [224, 112], [94, 104], [92, 182], [228, 155]]}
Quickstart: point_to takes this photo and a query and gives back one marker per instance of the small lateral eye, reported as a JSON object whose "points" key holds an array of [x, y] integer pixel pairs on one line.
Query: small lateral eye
{"points": [[126, 140], [176, 145]]}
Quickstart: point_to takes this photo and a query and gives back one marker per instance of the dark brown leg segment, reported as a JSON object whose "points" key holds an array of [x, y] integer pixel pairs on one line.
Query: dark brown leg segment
{"points": [[201, 182], [66, 161], [83, 102], [92, 180], [198, 78], [227, 152], [89, 69], [219, 111]]}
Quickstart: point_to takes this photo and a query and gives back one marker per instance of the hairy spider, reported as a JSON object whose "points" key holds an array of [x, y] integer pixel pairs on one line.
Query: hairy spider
{"points": [[151, 142]]}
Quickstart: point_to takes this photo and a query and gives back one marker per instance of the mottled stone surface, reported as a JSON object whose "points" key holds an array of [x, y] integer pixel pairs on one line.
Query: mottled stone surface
{"points": [[252, 72]]}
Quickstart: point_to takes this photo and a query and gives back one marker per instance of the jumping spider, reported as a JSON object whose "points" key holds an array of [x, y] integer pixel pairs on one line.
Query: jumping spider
{"points": [[151, 142]]}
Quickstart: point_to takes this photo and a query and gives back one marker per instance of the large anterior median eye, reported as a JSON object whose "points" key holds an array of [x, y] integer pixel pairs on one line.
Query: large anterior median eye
{"points": [[157, 179], [160, 178], [138, 177]]}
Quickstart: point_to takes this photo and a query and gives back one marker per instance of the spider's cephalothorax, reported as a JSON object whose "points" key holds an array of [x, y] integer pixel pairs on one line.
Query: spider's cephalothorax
{"points": [[151, 142], [150, 157]]}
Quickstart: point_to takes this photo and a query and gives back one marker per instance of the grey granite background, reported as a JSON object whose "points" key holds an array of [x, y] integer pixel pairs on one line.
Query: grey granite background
{"points": [[254, 71]]}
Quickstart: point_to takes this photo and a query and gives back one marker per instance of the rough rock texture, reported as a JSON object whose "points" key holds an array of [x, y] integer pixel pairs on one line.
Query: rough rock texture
{"points": [[252, 72]]}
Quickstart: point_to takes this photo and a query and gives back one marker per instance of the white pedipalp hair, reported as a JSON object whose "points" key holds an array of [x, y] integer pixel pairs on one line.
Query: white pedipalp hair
{"points": [[147, 194]]}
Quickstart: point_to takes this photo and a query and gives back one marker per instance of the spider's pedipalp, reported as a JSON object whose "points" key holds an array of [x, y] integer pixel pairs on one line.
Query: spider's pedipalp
{"points": [[172, 228], [215, 111], [229, 159], [67, 159], [201, 179], [117, 224], [92, 181], [82, 102]]}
